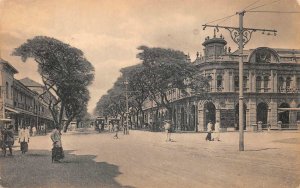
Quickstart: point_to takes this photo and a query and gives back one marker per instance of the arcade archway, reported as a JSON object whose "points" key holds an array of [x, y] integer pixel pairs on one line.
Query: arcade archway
{"points": [[237, 116], [284, 116], [262, 113], [210, 113]]}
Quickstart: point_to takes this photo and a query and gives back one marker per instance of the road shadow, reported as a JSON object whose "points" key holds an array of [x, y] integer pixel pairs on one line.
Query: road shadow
{"points": [[261, 149], [35, 169]]}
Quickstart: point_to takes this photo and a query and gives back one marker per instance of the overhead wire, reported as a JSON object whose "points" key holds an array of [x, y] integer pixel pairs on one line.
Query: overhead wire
{"points": [[280, 12], [226, 17], [263, 5], [251, 4]]}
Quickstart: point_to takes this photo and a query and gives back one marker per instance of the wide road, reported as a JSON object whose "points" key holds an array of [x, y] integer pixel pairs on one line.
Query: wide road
{"points": [[145, 159]]}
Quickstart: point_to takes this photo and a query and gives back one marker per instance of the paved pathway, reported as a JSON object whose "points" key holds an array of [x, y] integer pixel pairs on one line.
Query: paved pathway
{"points": [[144, 159]]}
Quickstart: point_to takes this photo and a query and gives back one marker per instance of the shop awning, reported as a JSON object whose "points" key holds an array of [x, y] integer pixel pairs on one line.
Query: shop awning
{"points": [[289, 109], [5, 120], [12, 110]]}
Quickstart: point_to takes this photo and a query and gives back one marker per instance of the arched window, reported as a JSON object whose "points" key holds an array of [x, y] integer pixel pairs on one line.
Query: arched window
{"points": [[258, 84], [266, 83], [209, 78], [7, 89], [245, 82], [219, 83], [236, 83], [280, 83], [288, 82], [11, 92]]}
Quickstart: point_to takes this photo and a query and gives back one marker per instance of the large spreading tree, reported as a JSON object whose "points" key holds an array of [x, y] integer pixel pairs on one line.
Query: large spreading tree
{"points": [[64, 71], [167, 69]]}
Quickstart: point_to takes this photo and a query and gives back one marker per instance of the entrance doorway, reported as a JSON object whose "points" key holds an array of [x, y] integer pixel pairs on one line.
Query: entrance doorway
{"points": [[210, 113], [237, 116], [262, 113]]}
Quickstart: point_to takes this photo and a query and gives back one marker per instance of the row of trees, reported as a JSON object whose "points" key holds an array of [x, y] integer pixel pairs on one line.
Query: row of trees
{"points": [[160, 71], [65, 72]]}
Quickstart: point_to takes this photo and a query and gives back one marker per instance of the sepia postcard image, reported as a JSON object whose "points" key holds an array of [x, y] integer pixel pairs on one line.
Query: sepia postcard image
{"points": [[149, 93]]}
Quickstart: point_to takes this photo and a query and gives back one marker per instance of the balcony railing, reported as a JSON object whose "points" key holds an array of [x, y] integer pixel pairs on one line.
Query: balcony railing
{"points": [[288, 90]]}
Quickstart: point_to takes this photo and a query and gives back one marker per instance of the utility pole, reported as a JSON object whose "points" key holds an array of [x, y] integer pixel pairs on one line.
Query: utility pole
{"points": [[241, 36]]}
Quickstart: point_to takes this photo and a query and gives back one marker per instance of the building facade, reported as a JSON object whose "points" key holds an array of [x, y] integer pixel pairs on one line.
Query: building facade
{"points": [[22, 105], [271, 89]]}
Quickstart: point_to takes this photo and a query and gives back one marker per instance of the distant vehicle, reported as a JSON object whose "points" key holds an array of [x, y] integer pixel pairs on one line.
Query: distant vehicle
{"points": [[72, 126], [100, 122]]}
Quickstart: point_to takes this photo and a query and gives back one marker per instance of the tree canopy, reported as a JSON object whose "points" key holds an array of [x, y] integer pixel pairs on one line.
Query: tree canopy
{"points": [[160, 71], [64, 71]]}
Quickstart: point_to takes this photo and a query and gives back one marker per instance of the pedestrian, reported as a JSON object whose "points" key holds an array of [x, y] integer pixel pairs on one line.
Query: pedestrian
{"points": [[125, 128], [8, 140], [209, 129], [33, 131], [2, 139], [217, 131], [24, 139], [168, 129], [116, 129], [57, 150]]}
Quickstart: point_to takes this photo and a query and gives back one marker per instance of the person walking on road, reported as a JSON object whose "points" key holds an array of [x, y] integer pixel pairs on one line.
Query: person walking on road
{"points": [[125, 128], [209, 129], [116, 129], [24, 139], [33, 131], [168, 129], [57, 150], [217, 131], [8, 140]]}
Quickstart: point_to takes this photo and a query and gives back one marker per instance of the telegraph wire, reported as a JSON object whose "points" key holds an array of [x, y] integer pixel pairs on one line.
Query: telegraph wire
{"points": [[227, 17], [280, 12], [251, 4], [264, 5]]}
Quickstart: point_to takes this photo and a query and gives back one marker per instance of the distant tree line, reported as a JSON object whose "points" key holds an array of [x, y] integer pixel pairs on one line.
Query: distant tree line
{"points": [[159, 71]]}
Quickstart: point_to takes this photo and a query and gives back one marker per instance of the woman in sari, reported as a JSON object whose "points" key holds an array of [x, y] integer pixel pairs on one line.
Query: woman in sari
{"points": [[57, 150]]}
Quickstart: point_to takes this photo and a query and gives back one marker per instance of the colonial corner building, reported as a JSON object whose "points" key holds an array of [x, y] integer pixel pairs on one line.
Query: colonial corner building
{"points": [[271, 90], [21, 103]]}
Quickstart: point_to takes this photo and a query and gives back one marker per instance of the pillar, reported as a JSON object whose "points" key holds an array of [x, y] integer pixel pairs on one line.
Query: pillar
{"points": [[252, 111], [226, 81], [231, 82]]}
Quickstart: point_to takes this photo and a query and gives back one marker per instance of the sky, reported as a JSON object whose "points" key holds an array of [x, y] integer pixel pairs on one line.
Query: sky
{"points": [[109, 31]]}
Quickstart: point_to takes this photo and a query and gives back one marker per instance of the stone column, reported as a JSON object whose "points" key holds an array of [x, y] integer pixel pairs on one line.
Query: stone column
{"points": [[213, 81], [231, 84], [218, 115], [250, 81], [226, 81], [200, 120], [200, 117], [272, 115], [253, 83], [252, 111], [294, 81], [272, 82], [275, 78]]}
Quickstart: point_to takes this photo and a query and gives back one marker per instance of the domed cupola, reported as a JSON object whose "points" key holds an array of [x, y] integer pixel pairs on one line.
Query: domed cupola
{"points": [[214, 47]]}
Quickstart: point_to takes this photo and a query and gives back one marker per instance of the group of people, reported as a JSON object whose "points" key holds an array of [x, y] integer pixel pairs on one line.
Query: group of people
{"points": [[210, 130], [7, 140], [116, 129]]}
